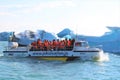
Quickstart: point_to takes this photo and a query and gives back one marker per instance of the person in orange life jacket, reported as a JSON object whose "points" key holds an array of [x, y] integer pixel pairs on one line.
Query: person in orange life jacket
{"points": [[66, 44], [69, 44], [34, 45], [39, 42], [57, 44], [54, 44], [46, 44], [45, 48], [73, 40], [42, 47], [50, 45], [62, 45]]}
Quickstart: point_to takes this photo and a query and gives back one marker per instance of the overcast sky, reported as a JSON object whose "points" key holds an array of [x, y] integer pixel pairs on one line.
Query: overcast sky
{"points": [[87, 17]]}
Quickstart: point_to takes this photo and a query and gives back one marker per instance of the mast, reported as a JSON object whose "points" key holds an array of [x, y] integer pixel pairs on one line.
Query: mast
{"points": [[76, 35], [11, 37]]}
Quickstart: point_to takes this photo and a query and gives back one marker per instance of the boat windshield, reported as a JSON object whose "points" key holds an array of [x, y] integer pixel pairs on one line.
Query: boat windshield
{"points": [[78, 44], [81, 44], [84, 44]]}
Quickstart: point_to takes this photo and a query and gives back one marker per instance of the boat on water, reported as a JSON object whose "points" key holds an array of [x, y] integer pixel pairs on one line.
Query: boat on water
{"points": [[80, 50]]}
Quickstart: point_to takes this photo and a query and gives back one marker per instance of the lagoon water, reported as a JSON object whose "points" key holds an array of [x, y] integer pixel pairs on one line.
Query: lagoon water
{"points": [[31, 69]]}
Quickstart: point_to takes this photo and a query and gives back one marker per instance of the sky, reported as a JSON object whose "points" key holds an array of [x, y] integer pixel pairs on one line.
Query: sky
{"points": [[85, 17]]}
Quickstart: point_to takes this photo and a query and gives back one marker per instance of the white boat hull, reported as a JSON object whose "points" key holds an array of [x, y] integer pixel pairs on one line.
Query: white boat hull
{"points": [[52, 54]]}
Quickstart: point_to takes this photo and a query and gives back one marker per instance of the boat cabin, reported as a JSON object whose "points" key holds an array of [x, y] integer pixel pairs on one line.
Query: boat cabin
{"points": [[80, 45]]}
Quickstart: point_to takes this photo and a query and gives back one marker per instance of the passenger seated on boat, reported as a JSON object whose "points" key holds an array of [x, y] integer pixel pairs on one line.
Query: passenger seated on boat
{"points": [[62, 45], [69, 44], [72, 42], [42, 47], [50, 45], [45, 45], [65, 43], [34, 45], [57, 44], [39, 44], [54, 44]]}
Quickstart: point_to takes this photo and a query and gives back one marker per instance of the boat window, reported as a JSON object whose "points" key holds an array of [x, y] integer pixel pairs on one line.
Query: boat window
{"points": [[84, 44], [78, 44]]}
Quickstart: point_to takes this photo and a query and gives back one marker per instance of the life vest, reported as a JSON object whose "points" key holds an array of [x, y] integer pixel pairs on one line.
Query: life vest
{"points": [[54, 43], [39, 42], [62, 45], [57, 44], [69, 43], [50, 45], [42, 46], [34, 45]]}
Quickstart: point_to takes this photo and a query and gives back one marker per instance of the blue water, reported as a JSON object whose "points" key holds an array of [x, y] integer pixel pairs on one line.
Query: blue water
{"points": [[31, 69]]}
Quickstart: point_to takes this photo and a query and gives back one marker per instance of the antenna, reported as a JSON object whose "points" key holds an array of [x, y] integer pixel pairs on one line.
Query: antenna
{"points": [[76, 37]]}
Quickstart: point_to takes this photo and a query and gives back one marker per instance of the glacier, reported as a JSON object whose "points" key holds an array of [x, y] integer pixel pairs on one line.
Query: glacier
{"points": [[109, 41], [66, 33], [26, 37], [4, 36]]}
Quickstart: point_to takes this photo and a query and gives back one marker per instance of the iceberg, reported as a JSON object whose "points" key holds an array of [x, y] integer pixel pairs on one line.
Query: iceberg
{"points": [[66, 33], [43, 35], [4, 36], [27, 37], [109, 42]]}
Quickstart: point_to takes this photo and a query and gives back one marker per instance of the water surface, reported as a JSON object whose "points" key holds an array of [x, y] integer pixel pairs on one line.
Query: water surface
{"points": [[33, 69]]}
